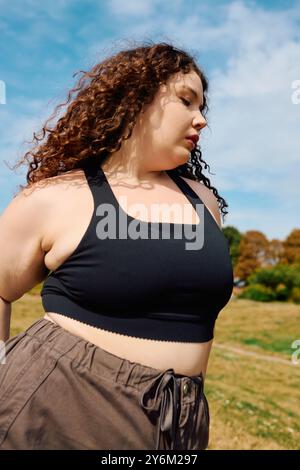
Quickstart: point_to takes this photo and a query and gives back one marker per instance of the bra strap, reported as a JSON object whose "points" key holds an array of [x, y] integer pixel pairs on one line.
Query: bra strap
{"points": [[185, 188]]}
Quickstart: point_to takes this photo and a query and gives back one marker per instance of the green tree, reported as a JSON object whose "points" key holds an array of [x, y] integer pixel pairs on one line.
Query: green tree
{"points": [[234, 238]]}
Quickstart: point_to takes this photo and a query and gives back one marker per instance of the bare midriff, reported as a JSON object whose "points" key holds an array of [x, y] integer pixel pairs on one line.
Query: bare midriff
{"points": [[184, 358]]}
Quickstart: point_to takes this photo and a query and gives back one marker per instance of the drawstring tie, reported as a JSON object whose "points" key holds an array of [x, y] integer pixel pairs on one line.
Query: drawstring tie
{"points": [[166, 384]]}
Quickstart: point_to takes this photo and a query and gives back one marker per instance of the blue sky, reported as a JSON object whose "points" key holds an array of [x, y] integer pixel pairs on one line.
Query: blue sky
{"points": [[250, 51]]}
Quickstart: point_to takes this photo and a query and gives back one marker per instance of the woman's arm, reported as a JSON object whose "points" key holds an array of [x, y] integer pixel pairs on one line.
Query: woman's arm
{"points": [[22, 226]]}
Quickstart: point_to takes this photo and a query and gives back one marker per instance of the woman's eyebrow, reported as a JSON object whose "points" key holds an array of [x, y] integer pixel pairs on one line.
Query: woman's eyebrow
{"points": [[193, 92]]}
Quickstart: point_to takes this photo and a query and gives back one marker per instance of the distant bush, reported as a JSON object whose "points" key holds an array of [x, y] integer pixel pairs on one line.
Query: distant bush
{"points": [[295, 296], [281, 282], [282, 292], [258, 292]]}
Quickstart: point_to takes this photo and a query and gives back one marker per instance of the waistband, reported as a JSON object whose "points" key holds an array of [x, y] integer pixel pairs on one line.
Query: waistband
{"points": [[162, 391]]}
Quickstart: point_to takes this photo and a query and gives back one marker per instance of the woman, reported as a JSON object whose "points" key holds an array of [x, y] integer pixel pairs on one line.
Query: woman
{"points": [[119, 359]]}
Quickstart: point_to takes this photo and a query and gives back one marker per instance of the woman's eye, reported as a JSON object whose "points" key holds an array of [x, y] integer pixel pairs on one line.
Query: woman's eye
{"points": [[186, 101]]}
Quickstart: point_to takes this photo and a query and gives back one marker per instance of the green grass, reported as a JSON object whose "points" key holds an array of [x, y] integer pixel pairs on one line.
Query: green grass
{"points": [[261, 326], [25, 311], [282, 345], [254, 404]]}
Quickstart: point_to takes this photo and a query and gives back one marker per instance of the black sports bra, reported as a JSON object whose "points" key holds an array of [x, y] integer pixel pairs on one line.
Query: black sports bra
{"points": [[162, 281]]}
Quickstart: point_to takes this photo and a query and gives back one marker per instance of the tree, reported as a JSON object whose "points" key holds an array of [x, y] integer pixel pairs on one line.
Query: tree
{"points": [[274, 253], [291, 248], [253, 250], [234, 238]]}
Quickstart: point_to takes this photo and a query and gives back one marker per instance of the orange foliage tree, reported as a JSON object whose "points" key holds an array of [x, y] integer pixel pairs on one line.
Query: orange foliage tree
{"points": [[253, 253], [291, 248]]}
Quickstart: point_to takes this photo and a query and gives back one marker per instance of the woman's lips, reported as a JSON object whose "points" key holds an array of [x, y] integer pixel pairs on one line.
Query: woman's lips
{"points": [[190, 142]]}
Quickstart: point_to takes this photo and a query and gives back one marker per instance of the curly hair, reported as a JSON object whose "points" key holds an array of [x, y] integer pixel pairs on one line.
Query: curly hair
{"points": [[108, 101]]}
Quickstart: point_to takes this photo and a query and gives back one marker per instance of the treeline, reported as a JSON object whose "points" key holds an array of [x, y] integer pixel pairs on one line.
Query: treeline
{"points": [[269, 270]]}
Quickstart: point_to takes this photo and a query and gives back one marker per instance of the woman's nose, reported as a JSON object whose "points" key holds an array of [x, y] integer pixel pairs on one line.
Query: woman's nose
{"points": [[200, 122]]}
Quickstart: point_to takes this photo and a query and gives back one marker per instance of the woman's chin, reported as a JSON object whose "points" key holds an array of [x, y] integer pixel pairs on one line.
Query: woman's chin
{"points": [[185, 156], [180, 158]]}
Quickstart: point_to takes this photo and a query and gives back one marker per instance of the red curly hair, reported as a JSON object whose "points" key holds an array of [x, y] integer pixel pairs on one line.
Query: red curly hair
{"points": [[108, 101]]}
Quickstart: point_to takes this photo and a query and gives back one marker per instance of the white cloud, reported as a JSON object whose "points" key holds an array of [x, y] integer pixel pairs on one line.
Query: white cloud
{"points": [[254, 122], [33, 10], [274, 224], [135, 8], [15, 130], [132, 7], [259, 71]]}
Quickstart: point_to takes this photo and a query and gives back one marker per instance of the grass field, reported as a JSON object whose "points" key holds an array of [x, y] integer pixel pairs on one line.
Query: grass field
{"points": [[254, 398]]}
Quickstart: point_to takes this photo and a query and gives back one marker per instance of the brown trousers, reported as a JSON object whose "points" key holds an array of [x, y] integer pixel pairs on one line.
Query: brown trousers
{"points": [[58, 391]]}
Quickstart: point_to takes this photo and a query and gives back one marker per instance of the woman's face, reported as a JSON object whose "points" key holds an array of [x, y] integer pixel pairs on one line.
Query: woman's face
{"points": [[173, 115], [158, 140]]}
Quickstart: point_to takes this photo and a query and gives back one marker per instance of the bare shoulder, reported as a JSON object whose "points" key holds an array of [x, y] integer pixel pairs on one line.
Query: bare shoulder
{"points": [[63, 181], [25, 221], [49, 193], [52, 200], [208, 198]]}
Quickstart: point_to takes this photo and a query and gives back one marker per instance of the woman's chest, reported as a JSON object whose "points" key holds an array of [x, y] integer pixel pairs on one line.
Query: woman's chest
{"points": [[69, 219]]}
